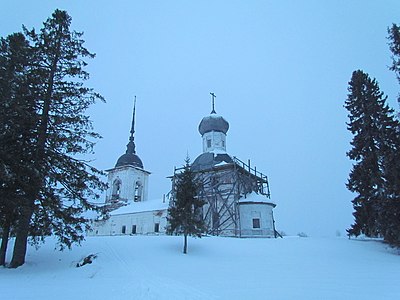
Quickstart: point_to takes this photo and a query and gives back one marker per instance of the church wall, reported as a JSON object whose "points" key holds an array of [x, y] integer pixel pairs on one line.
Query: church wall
{"points": [[225, 213], [145, 223], [250, 213]]}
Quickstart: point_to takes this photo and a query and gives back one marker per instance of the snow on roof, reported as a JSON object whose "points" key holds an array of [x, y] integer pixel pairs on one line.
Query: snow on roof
{"points": [[221, 164], [255, 198], [218, 151], [134, 207]]}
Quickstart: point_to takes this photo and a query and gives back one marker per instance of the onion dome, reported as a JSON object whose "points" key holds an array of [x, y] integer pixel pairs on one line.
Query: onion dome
{"points": [[213, 122]]}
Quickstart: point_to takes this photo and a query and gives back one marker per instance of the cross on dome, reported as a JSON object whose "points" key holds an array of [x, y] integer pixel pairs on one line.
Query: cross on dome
{"points": [[213, 103]]}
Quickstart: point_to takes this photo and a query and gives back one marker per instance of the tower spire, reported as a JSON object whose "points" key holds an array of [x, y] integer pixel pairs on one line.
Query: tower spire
{"points": [[133, 121], [130, 148], [213, 103]]}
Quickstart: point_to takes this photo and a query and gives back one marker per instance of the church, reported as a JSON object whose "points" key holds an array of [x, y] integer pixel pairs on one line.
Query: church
{"points": [[130, 210], [236, 194]]}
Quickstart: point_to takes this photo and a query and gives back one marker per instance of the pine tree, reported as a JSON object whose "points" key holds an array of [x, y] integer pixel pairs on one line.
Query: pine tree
{"points": [[185, 211], [374, 128], [61, 185]]}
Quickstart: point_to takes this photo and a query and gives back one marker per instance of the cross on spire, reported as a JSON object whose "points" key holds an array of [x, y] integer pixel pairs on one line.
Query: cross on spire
{"points": [[213, 103]]}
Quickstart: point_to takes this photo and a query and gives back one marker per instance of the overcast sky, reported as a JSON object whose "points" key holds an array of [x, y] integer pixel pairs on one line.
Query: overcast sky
{"points": [[279, 70]]}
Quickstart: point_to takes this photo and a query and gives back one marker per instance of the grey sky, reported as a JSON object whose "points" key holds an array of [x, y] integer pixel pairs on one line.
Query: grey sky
{"points": [[279, 70]]}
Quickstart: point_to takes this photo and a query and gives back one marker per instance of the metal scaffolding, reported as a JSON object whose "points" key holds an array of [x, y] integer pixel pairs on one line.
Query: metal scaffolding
{"points": [[221, 188]]}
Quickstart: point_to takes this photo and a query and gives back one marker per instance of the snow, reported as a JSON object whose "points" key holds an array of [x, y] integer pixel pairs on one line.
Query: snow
{"points": [[217, 151], [153, 267], [222, 163], [255, 198], [133, 207], [215, 116]]}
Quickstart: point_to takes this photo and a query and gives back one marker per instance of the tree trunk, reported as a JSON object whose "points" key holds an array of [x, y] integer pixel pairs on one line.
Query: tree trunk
{"points": [[21, 240], [185, 244], [4, 241]]}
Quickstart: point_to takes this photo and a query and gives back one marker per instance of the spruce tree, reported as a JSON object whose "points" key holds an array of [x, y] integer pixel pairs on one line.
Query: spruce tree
{"points": [[394, 45], [185, 211], [389, 214], [61, 185], [17, 121], [391, 210], [374, 128]]}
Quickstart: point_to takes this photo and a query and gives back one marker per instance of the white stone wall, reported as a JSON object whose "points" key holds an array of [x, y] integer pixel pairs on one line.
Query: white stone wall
{"points": [[261, 211], [128, 176], [217, 141], [144, 221]]}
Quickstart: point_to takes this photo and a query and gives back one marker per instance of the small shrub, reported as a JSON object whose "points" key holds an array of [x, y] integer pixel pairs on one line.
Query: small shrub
{"points": [[86, 260], [302, 234]]}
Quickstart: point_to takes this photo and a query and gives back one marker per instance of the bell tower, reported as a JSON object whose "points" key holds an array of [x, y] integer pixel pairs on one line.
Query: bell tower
{"points": [[128, 180]]}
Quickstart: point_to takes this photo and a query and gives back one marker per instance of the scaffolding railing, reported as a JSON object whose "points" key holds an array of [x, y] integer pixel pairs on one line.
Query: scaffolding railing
{"points": [[262, 179]]}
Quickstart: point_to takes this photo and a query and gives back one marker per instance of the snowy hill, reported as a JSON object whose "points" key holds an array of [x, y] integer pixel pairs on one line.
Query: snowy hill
{"points": [[151, 267]]}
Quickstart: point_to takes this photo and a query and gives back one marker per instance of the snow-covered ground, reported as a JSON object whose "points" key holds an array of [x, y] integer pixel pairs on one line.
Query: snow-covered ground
{"points": [[152, 267]]}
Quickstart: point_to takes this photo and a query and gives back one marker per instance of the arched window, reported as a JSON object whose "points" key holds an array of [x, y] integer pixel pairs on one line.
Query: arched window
{"points": [[116, 189], [138, 191]]}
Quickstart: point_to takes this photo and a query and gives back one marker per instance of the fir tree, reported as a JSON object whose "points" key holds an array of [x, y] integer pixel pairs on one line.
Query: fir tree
{"points": [[185, 211], [61, 185], [375, 140]]}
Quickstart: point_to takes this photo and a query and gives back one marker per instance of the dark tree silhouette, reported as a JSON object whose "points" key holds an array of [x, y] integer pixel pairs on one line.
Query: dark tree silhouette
{"points": [[374, 148], [59, 186], [185, 211]]}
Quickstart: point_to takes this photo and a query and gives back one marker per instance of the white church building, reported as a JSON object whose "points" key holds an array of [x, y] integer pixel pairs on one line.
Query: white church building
{"points": [[130, 210], [237, 195]]}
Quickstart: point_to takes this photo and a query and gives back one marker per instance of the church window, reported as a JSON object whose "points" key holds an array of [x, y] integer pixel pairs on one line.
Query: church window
{"points": [[123, 229], [133, 229], [256, 223], [116, 190], [157, 227], [138, 192], [208, 143]]}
